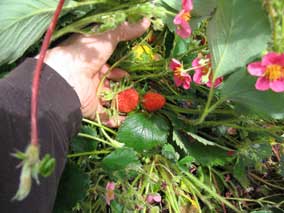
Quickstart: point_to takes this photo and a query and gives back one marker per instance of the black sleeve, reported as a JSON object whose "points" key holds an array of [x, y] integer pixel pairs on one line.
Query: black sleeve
{"points": [[59, 120]]}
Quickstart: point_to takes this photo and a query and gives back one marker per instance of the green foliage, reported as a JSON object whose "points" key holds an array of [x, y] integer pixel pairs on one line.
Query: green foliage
{"points": [[237, 33], [82, 144], [281, 169], [240, 172], [73, 187], [120, 159], [251, 155], [169, 152], [239, 87], [202, 8], [22, 23], [143, 131], [208, 155]]}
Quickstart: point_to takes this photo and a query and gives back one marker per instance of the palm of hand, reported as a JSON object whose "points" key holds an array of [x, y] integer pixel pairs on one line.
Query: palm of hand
{"points": [[81, 61]]}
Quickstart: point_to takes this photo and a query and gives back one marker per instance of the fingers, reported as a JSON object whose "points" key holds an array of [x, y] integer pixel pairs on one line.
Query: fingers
{"points": [[115, 74], [112, 122], [128, 31]]}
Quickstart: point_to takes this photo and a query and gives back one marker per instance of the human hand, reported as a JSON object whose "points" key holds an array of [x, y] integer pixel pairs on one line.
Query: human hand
{"points": [[81, 61]]}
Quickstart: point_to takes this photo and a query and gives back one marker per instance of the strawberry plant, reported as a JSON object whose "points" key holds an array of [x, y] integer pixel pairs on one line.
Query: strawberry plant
{"points": [[203, 101]]}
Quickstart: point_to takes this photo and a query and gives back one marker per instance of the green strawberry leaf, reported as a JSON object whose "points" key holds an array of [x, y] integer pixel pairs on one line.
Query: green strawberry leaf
{"points": [[143, 131], [237, 32], [240, 88], [208, 155], [120, 159]]}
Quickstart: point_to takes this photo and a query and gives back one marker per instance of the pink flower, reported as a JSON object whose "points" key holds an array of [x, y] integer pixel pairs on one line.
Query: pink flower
{"points": [[203, 72], [110, 192], [180, 78], [182, 18], [270, 71], [156, 198]]}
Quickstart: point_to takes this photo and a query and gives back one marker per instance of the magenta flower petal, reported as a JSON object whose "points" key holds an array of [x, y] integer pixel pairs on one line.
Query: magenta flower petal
{"points": [[182, 25], [186, 84], [175, 64], [195, 62], [256, 69], [271, 58], [157, 198], [178, 18], [277, 86], [110, 186], [197, 77], [110, 192], [262, 84], [154, 198], [178, 81], [184, 32], [187, 5], [217, 82]]}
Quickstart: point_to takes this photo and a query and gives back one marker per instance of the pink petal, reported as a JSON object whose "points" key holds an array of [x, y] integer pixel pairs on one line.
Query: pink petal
{"points": [[178, 18], [187, 81], [197, 76], [174, 64], [154, 198], [178, 81], [195, 62], [271, 58], [186, 85], [110, 186], [184, 30], [256, 69], [157, 198], [187, 5], [277, 86], [262, 84], [217, 82]]}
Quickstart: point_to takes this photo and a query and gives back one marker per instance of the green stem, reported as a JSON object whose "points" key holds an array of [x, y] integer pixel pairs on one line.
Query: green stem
{"points": [[206, 109], [88, 153], [95, 138], [251, 200], [209, 191], [265, 182], [98, 125]]}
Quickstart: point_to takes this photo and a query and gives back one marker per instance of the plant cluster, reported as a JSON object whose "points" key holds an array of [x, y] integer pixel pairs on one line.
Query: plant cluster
{"points": [[204, 103]]}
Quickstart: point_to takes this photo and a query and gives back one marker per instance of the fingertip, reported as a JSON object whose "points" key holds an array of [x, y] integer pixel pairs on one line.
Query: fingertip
{"points": [[145, 23], [129, 31], [117, 74]]}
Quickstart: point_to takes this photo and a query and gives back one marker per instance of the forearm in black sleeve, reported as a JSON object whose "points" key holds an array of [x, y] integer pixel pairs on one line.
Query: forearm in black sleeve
{"points": [[59, 120]]}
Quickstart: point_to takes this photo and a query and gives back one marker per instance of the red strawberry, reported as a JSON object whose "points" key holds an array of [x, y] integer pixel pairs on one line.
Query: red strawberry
{"points": [[153, 101], [128, 100]]}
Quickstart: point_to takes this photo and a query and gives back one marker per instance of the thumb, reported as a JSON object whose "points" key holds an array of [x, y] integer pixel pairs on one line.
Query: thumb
{"points": [[128, 31]]}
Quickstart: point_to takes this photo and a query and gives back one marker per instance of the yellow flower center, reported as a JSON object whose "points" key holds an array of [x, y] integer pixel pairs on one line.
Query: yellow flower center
{"points": [[206, 69], [177, 72], [186, 16], [274, 72]]}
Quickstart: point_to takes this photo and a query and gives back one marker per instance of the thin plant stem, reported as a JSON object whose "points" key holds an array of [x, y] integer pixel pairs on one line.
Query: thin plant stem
{"points": [[88, 153], [96, 138], [37, 73], [264, 181], [98, 125]]}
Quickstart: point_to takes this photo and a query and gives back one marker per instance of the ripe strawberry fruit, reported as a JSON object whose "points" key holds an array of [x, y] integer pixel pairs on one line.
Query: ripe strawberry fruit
{"points": [[153, 101], [128, 100]]}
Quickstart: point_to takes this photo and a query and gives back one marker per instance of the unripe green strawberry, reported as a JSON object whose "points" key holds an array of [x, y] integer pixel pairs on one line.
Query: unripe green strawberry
{"points": [[128, 100], [153, 101]]}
